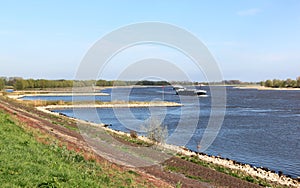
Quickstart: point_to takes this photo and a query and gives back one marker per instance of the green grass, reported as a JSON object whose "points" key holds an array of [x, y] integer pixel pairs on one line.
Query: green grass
{"points": [[25, 162]]}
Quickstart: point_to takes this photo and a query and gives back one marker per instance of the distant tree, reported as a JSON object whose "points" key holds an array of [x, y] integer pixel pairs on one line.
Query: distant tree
{"points": [[277, 83], [145, 82], [288, 82], [269, 83], [30, 83], [293, 83], [2, 83], [119, 83], [83, 83], [233, 82], [20, 84], [282, 83], [152, 83], [102, 83], [12, 80], [262, 83], [164, 83]]}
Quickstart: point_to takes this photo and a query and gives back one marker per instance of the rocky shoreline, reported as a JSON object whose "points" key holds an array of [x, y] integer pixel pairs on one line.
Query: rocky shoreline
{"points": [[253, 171], [262, 172]]}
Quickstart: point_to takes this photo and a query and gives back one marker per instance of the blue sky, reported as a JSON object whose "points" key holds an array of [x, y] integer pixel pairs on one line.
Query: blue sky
{"points": [[251, 40]]}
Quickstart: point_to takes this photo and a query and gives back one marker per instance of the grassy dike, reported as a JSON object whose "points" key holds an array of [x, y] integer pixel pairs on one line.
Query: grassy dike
{"points": [[25, 162]]}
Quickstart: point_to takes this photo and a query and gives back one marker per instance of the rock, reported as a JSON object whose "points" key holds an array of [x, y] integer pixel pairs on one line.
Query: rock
{"points": [[107, 125]]}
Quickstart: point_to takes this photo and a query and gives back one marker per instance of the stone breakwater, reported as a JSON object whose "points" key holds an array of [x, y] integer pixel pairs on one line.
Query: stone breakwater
{"points": [[262, 173]]}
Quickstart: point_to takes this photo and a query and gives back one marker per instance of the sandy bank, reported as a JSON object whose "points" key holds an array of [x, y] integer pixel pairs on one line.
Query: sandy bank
{"points": [[56, 94], [115, 105], [267, 88], [70, 94]]}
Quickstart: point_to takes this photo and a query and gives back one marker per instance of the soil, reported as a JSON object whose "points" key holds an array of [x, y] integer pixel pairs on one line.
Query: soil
{"points": [[159, 175]]}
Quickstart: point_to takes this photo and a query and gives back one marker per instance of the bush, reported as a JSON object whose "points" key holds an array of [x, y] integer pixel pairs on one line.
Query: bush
{"points": [[156, 131], [133, 134]]}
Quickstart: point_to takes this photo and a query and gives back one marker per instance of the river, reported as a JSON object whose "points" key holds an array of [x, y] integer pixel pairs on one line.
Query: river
{"points": [[261, 127]]}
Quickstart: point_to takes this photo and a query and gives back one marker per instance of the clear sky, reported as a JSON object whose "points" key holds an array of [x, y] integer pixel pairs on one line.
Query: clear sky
{"points": [[251, 40]]}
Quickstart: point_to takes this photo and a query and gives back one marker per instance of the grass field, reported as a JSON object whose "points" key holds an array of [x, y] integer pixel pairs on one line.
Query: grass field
{"points": [[25, 162]]}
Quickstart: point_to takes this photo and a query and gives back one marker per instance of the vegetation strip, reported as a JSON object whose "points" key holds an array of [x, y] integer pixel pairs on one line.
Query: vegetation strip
{"points": [[276, 83], [115, 105], [257, 87]]}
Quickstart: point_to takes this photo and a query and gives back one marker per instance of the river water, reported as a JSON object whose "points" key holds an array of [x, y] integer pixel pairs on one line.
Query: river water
{"points": [[261, 127]]}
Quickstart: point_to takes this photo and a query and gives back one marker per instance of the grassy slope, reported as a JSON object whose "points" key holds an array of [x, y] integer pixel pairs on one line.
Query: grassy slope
{"points": [[24, 162]]}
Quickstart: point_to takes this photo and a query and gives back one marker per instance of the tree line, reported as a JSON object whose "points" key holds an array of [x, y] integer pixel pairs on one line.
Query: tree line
{"points": [[130, 83], [20, 84], [276, 83]]}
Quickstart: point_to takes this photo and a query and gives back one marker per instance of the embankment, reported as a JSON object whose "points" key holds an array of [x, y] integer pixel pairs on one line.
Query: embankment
{"points": [[262, 173]]}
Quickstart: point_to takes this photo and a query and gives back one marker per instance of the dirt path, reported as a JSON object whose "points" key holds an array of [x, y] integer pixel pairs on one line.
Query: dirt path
{"points": [[157, 174]]}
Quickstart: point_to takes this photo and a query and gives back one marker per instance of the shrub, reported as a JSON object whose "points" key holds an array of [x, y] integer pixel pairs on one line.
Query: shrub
{"points": [[133, 134], [156, 131]]}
